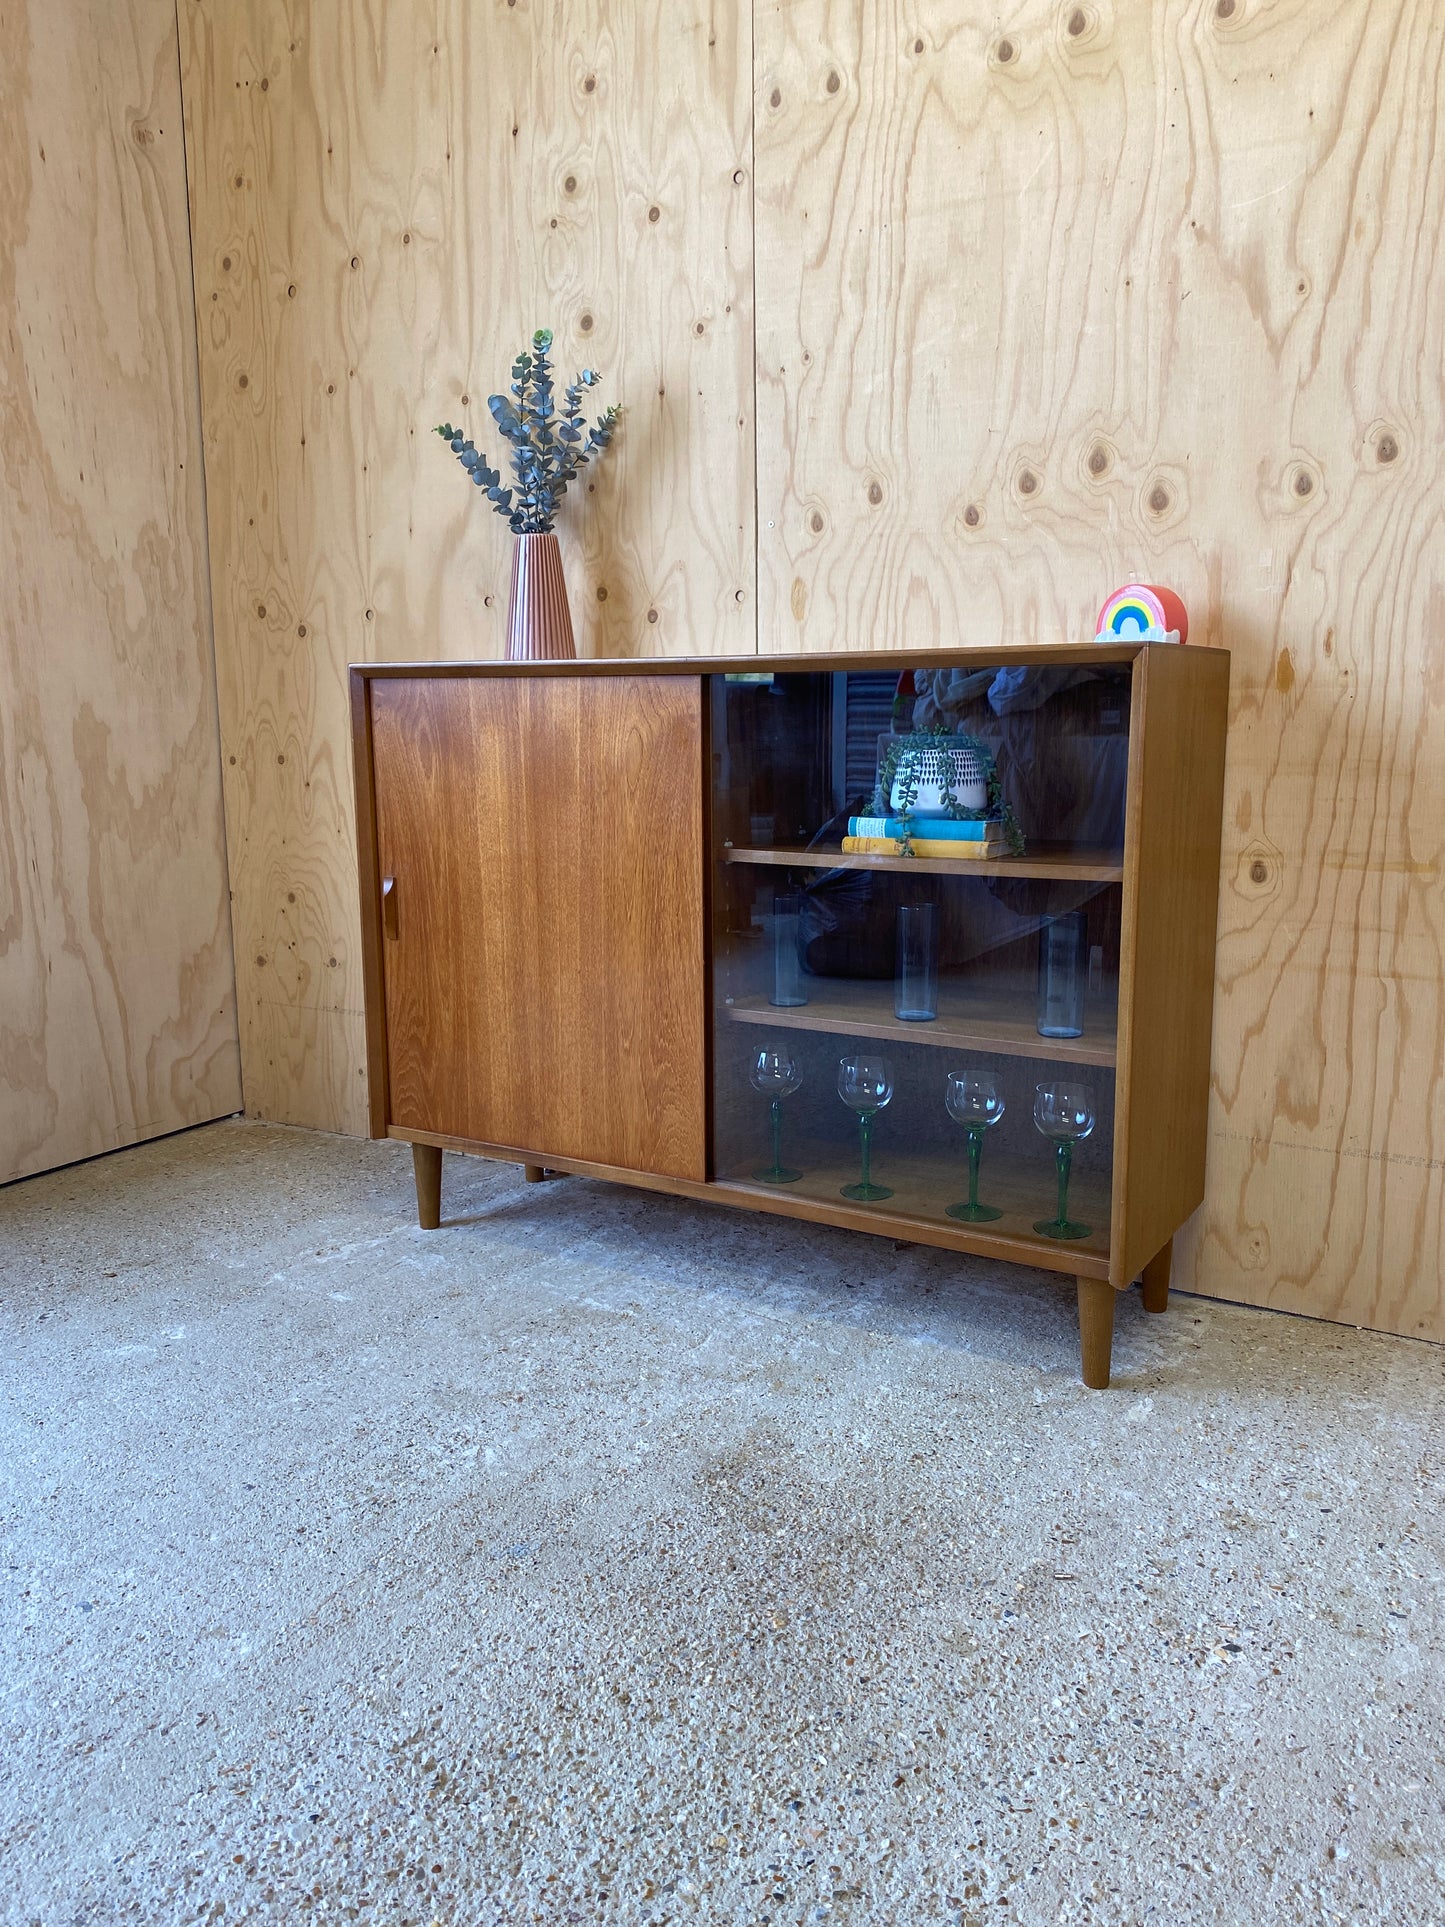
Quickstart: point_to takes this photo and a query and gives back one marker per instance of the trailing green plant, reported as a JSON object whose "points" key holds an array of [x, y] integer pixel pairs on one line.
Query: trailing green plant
{"points": [[549, 448], [902, 767]]}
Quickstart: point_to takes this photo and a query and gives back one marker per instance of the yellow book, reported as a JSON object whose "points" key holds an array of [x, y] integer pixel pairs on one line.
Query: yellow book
{"points": [[924, 846]]}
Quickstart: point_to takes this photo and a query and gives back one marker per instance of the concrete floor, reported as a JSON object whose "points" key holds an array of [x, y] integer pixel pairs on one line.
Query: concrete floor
{"points": [[608, 1558]]}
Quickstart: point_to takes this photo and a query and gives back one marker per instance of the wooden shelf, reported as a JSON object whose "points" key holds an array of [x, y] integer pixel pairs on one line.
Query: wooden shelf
{"points": [[1058, 863], [970, 1017], [924, 1186]]}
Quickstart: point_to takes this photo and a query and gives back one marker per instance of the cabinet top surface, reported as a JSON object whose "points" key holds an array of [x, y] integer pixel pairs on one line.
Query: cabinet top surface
{"points": [[859, 660]]}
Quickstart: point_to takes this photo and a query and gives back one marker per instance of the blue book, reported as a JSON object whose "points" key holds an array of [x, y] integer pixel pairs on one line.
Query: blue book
{"points": [[936, 828]]}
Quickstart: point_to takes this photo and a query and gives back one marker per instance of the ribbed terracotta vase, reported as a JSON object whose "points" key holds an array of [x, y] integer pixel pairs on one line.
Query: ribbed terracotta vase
{"points": [[539, 622]]}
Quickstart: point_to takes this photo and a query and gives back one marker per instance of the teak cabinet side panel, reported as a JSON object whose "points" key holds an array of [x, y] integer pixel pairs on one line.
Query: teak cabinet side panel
{"points": [[1166, 973], [544, 985], [369, 886]]}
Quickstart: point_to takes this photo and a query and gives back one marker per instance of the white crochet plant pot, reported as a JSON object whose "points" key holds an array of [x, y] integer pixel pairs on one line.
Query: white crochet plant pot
{"points": [[933, 766]]}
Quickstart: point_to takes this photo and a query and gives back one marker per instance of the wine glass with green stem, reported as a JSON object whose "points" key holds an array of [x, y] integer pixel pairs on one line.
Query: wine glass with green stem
{"points": [[974, 1101], [1064, 1113], [775, 1074], [865, 1084]]}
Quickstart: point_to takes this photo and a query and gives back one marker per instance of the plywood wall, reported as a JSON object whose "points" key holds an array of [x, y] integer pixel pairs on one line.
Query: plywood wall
{"points": [[1043, 299], [117, 999], [1072, 294], [386, 202]]}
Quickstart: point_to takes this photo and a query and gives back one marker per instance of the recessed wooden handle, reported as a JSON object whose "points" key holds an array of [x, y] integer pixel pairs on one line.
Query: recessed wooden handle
{"points": [[389, 925]]}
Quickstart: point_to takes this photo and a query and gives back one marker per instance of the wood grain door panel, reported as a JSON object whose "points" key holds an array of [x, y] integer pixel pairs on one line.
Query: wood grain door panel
{"points": [[545, 984]]}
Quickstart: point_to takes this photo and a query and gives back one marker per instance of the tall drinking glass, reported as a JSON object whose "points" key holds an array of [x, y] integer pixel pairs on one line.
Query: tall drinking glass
{"points": [[788, 991], [915, 982], [1063, 972]]}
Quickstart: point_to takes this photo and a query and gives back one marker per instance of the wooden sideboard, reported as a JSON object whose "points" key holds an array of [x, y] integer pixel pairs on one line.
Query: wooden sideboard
{"points": [[573, 877]]}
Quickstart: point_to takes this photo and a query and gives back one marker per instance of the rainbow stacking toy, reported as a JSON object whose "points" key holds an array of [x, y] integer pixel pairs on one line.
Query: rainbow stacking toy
{"points": [[1142, 612]]}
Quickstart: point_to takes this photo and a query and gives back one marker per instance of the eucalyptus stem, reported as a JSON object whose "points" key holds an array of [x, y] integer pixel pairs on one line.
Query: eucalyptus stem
{"points": [[548, 450]]}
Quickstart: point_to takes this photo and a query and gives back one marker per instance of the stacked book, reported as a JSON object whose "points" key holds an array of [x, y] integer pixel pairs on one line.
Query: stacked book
{"points": [[960, 838]]}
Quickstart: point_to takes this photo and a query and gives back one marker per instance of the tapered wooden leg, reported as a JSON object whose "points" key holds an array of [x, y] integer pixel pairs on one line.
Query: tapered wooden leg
{"points": [[427, 1161], [533, 1173], [1155, 1281], [1096, 1331]]}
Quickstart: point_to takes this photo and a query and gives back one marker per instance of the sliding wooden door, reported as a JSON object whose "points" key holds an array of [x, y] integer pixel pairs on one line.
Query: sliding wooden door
{"points": [[540, 850]]}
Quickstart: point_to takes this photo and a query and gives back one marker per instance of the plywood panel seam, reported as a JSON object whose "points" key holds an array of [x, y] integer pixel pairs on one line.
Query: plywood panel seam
{"points": [[204, 532], [753, 242]]}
